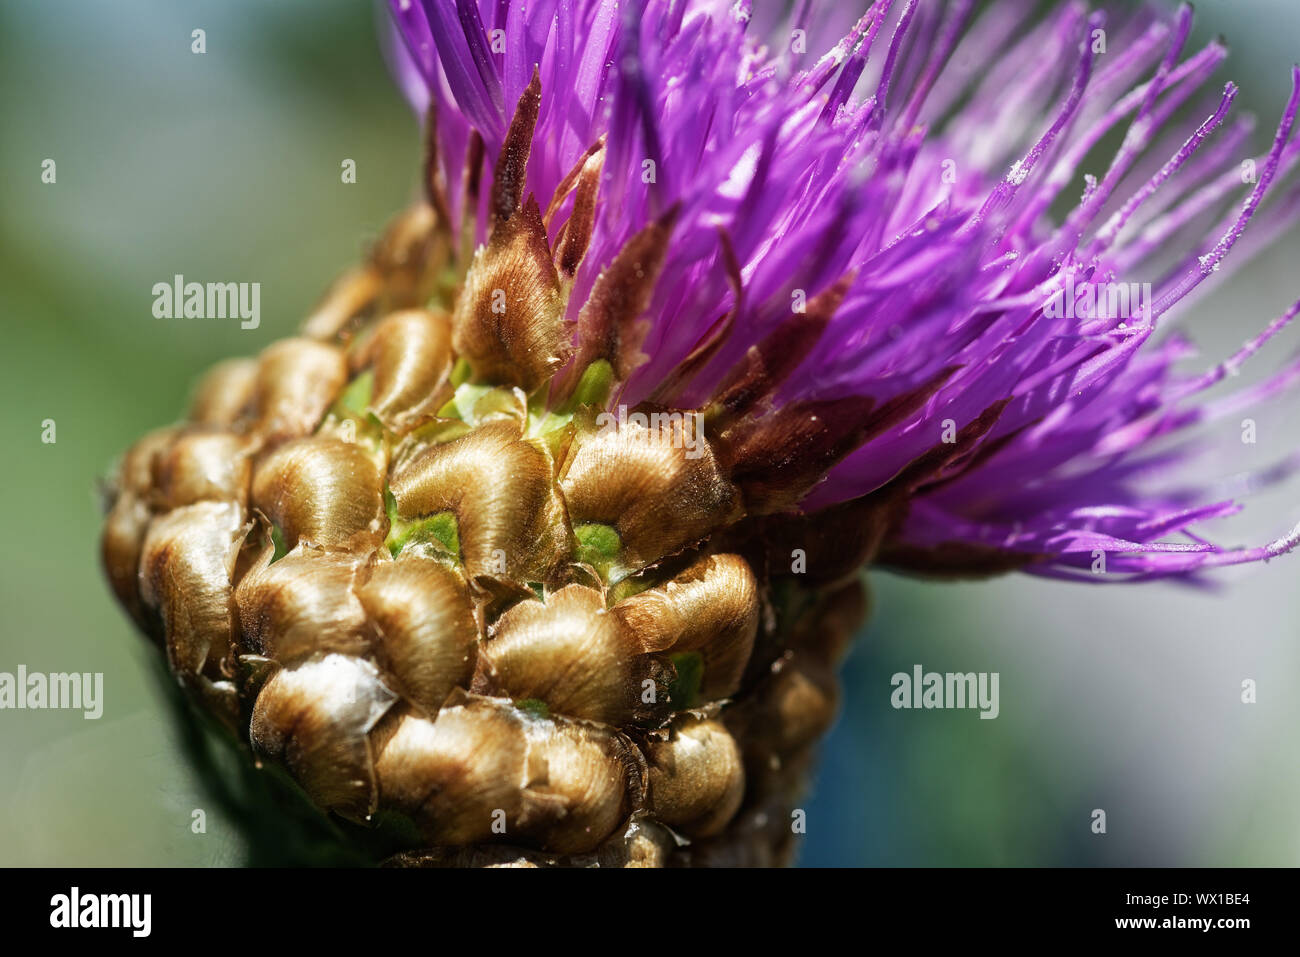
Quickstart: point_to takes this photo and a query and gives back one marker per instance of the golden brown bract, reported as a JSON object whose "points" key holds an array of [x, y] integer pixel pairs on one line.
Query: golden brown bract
{"points": [[508, 322], [499, 487], [205, 467], [575, 656], [345, 506], [427, 635], [411, 355], [304, 603], [297, 380], [657, 483], [697, 779], [185, 567], [710, 608], [315, 719]]}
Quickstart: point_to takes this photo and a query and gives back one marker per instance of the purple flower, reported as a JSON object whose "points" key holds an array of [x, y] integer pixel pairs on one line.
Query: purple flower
{"points": [[866, 228]]}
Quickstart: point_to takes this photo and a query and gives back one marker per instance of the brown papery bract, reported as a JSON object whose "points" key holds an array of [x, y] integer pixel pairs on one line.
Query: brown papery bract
{"points": [[610, 325], [224, 392], [321, 491], [500, 488], [411, 355], [303, 603], [427, 633], [645, 483], [352, 294], [790, 709], [584, 780], [575, 235], [710, 608], [457, 774], [765, 366], [185, 567], [575, 656], [139, 471], [297, 379], [314, 719], [205, 466], [123, 538], [697, 779], [508, 322]]}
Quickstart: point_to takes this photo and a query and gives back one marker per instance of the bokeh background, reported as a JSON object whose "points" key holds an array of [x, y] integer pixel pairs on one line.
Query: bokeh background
{"points": [[225, 166]]}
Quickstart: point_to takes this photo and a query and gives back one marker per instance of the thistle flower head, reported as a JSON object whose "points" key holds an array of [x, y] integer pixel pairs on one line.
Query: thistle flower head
{"points": [[851, 244], [543, 538]]}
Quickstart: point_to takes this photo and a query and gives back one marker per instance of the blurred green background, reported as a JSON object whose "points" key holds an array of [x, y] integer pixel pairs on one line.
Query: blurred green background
{"points": [[225, 166]]}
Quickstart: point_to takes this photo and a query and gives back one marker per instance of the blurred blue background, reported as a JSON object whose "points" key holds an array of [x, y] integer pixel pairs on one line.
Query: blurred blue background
{"points": [[226, 165]]}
